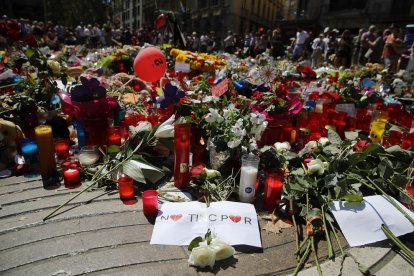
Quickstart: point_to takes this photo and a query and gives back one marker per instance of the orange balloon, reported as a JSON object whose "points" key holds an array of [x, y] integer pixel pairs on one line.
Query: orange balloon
{"points": [[150, 64]]}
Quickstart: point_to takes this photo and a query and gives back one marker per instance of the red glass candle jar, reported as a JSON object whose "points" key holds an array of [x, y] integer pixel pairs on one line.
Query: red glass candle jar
{"points": [[150, 202], [71, 176], [129, 120], [273, 188], [126, 187], [407, 140], [181, 155], [394, 137], [114, 136], [62, 148]]}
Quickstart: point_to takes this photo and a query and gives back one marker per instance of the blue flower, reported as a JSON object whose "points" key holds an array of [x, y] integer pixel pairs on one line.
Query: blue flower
{"points": [[171, 95]]}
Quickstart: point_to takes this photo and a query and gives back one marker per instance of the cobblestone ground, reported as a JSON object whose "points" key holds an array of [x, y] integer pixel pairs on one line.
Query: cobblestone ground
{"points": [[104, 236]]}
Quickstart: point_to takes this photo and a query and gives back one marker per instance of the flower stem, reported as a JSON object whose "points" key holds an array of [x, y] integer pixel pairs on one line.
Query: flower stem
{"points": [[402, 191], [93, 183], [336, 237], [318, 267], [397, 242], [302, 259], [328, 237]]}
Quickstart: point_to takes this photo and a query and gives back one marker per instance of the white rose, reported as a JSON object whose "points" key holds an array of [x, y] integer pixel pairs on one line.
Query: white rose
{"points": [[202, 256], [223, 250], [54, 65], [317, 166], [285, 146], [323, 141], [211, 173]]}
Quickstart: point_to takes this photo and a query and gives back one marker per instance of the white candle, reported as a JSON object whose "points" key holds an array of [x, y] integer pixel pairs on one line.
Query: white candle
{"points": [[88, 158], [247, 186]]}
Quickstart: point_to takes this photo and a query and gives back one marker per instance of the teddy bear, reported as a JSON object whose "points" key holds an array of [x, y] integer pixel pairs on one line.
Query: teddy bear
{"points": [[10, 136]]}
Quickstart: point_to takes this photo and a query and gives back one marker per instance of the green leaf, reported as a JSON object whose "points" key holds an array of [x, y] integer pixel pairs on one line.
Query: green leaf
{"points": [[331, 150], [139, 170], [385, 169], [298, 171], [399, 180], [331, 180], [194, 243], [29, 53], [353, 197], [334, 137], [208, 237]]}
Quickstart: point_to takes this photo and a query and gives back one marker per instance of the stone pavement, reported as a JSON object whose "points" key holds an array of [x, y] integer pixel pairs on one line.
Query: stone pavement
{"points": [[106, 236]]}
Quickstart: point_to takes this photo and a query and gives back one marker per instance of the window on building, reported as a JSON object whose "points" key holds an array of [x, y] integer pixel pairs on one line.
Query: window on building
{"points": [[214, 2], [244, 4], [263, 8], [258, 6], [339, 5], [252, 6]]}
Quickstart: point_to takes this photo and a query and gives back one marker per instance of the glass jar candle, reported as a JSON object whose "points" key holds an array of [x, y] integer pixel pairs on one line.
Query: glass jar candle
{"points": [[29, 149], [44, 139], [126, 187], [89, 155], [62, 148], [114, 136], [273, 188], [248, 176], [181, 155]]}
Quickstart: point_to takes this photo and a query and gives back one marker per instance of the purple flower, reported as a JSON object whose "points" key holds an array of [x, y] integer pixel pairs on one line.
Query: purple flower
{"points": [[90, 89], [171, 95]]}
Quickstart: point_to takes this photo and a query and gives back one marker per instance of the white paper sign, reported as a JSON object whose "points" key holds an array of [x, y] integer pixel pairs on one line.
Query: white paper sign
{"points": [[182, 67], [232, 222], [361, 222]]}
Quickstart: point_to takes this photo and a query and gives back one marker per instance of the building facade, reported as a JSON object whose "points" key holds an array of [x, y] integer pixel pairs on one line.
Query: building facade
{"points": [[130, 14]]}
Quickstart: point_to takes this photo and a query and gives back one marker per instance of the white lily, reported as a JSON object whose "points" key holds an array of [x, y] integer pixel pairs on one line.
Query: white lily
{"points": [[166, 129], [311, 145], [142, 126], [213, 116], [252, 145]]}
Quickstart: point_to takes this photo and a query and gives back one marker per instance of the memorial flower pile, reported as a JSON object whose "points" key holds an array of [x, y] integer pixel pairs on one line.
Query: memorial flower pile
{"points": [[333, 134]]}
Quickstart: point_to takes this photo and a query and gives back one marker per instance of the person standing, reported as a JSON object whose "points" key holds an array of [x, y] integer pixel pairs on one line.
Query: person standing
{"points": [[300, 40], [277, 44], [195, 42], [357, 46], [367, 43], [393, 49], [229, 42], [344, 50], [318, 47]]}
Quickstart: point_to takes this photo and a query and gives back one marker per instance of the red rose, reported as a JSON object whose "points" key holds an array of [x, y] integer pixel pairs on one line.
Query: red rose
{"points": [[361, 145], [31, 40]]}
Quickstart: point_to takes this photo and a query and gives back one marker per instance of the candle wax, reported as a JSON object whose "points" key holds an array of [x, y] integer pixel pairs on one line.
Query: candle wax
{"points": [[248, 177]]}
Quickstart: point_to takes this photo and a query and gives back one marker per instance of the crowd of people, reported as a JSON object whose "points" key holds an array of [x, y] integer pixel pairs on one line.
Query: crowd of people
{"points": [[313, 49], [344, 49]]}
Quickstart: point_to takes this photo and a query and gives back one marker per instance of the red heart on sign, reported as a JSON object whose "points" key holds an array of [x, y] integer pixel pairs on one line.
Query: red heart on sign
{"points": [[235, 219], [176, 217]]}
